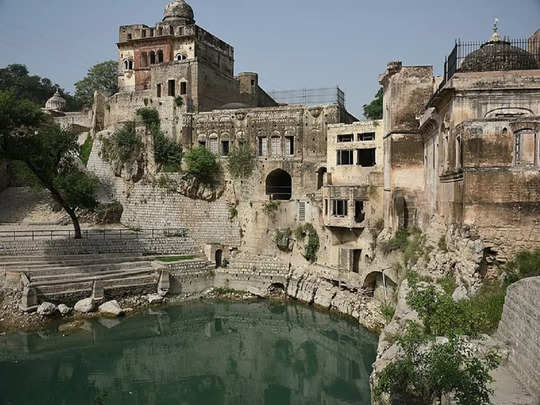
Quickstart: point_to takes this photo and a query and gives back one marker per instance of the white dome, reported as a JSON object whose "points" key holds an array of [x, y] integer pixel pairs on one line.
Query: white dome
{"points": [[56, 102]]}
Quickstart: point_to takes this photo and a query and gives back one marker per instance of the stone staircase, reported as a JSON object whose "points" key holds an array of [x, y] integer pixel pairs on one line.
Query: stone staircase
{"points": [[69, 278]]}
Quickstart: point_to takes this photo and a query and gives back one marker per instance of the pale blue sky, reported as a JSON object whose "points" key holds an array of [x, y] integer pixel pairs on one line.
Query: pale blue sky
{"points": [[291, 43]]}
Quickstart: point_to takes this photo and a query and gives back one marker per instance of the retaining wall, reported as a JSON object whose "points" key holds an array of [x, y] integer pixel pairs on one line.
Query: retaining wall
{"points": [[520, 330]]}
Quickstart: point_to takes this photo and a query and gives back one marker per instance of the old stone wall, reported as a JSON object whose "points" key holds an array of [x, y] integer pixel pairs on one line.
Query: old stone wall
{"points": [[519, 326], [157, 246], [190, 277]]}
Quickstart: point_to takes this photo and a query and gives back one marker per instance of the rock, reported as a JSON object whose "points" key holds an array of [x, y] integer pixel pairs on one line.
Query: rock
{"points": [[84, 306], [111, 308], [154, 298], [46, 309], [460, 293], [64, 309], [71, 327]]}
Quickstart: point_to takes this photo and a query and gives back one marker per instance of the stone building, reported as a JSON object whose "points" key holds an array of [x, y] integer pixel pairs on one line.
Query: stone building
{"points": [[464, 148]]}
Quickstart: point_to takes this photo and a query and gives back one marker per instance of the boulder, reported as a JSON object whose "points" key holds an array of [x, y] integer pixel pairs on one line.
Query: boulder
{"points": [[154, 298], [460, 293], [64, 309], [86, 305], [46, 309], [111, 308]]}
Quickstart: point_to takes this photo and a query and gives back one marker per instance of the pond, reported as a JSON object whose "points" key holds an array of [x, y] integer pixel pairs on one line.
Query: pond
{"points": [[215, 353]]}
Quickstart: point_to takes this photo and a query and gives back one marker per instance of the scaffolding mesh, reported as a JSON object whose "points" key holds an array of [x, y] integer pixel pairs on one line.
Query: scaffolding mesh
{"points": [[330, 95]]}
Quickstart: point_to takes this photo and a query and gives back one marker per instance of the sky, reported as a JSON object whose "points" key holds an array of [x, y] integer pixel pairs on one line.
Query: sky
{"points": [[292, 44]]}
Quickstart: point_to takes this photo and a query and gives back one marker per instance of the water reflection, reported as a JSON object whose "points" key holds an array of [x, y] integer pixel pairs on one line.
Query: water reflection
{"points": [[204, 353]]}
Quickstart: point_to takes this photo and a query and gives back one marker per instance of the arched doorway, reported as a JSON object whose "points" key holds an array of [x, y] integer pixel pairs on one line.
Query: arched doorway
{"points": [[320, 177], [379, 286], [219, 258], [279, 185]]}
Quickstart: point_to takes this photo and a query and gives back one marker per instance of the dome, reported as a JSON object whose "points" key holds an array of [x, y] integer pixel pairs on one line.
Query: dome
{"points": [[498, 54], [56, 102], [178, 12]]}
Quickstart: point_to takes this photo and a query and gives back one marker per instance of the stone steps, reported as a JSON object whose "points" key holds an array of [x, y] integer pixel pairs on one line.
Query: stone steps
{"points": [[66, 277], [37, 260], [55, 271]]}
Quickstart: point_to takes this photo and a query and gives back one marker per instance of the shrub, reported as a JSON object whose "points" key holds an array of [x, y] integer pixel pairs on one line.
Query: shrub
{"points": [[241, 161], [448, 283], [388, 311], [202, 164], [86, 149], [281, 238], [179, 101], [150, 117], [426, 370], [526, 264], [233, 212], [271, 207], [167, 153], [398, 241], [124, 145], [313, 243], [442, 244]]}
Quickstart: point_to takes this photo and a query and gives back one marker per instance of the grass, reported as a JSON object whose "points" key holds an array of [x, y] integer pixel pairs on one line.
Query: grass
{"points": [[388, 311], [171, 259], [448, 283]]}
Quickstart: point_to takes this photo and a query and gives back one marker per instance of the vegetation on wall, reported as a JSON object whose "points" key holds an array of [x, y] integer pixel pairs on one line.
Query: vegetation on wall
{"points": [[271, 207], [241, 161], [49, 152], [374, 110], [312, 245], [428, 369], [202, 164], [281, 238], [86, 149], [179, 101], [101, 77], [123, 146]]}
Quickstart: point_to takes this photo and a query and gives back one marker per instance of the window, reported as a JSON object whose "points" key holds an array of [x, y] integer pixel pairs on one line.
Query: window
{"points": [[368, 136], [126, 65], [130, 36], [366, 157], [356, 260], [344, 157], [525, 147], [130, 67], [359, 215], [213, 145], [144, 59], [339, 208], [263, 146], [143, 33], [172, 88], [225, 148], [302, 211], [289, 144], [276, 146], [459, 154], [159, 90], [253, 83], [345, 138], [183, 88], [160, 56], [326, 207], [151, 32], [202, 144], [152, 58]]}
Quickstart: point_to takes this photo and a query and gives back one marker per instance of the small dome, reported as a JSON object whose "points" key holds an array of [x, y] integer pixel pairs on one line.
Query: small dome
{"points": [[56, 102], [178, 12], [497, 55]]}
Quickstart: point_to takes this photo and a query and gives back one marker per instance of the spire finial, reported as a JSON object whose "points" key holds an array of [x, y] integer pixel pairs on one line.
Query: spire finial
{"points": [[496, 37]]}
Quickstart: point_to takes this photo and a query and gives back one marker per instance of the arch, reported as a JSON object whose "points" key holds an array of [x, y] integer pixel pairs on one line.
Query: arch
{"points": [[160, 56], [276, 289], [181, 57], [152, 58], [320, 176], [126, 65], [219, 258], [378, 285], [279, 185]]}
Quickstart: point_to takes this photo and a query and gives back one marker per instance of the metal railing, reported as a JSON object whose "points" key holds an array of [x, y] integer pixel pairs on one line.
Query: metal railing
{"points": [[332, 95], [504, 55], [106, 234]]}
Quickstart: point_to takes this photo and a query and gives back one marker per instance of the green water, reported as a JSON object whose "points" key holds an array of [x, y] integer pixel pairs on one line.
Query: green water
{"points": [[197, 354]]}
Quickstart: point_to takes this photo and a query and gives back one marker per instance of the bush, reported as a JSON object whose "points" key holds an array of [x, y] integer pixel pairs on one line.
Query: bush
{"points": [[86, 149], [398, 241], [167, 153], [202, 164], [526, 264], [426, 370], [281, 238], [241, 161], [388, 311], [271, 207], [179, 101], [313, 243], [124, 145], [150, 117]]}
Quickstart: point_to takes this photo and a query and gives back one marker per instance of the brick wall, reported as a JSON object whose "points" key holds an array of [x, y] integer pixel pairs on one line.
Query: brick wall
{"points": [[520, 328]]}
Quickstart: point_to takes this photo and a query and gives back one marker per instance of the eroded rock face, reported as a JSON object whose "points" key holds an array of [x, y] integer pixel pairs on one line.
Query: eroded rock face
{"points": [[84, 306], [46, 309], [111, 308]]}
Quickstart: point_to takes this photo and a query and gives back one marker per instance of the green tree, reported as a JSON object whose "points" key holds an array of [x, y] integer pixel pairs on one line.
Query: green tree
{"points": [[49, 152], [425, 370], [374, 110], [202, 164], [241, 161], [16, 79], [101, 77]]}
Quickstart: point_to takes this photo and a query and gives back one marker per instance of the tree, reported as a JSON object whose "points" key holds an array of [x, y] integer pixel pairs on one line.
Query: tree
{"points": [[374, 110], [15, 78], [426, 369], [49, 152], [241, 161], [101, 77], [202, 164]]}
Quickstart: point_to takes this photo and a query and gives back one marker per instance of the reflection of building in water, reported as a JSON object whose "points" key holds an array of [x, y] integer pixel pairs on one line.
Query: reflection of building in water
{"points": [[226, 353]]}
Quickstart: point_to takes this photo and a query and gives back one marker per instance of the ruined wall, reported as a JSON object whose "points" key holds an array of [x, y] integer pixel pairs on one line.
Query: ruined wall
{"points": [[519, 325]]}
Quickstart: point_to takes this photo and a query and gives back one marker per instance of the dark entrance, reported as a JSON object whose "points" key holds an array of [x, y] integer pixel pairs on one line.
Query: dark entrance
{"points": [[279, 185], [219, 258]]}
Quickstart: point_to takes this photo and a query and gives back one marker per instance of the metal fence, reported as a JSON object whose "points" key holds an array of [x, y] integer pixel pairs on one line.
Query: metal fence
{"points": [[331, 95], [505, 55], [107, 234]]}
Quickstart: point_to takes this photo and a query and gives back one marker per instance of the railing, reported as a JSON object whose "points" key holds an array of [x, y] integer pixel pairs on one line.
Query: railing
{"points": [[106, 234], [332, 95], [504, 55]]}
